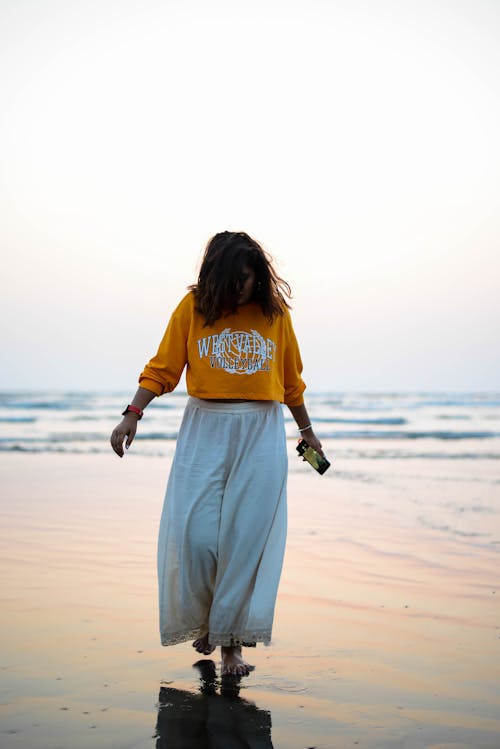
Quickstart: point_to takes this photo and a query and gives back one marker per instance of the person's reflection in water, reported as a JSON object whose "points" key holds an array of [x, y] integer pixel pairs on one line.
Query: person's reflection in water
{"points": [[211, 719]]}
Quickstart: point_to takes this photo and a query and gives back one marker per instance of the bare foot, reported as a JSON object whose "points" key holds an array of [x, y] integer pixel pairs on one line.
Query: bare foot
{"points": [[201, 645], [233, 663]]}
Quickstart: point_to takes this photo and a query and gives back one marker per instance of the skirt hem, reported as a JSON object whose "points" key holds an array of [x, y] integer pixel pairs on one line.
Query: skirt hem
{"points": [[247, 640]]}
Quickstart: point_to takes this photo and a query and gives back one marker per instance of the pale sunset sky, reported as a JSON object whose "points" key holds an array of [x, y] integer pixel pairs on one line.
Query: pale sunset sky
{"points": [[358, 141]]}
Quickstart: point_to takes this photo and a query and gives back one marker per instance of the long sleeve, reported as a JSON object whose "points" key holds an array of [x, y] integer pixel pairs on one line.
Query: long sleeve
{"points": [[162, 373], [294, 385]]}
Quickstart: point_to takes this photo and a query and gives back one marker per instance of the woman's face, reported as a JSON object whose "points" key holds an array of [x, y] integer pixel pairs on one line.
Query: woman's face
{"points": [[246, 283]]}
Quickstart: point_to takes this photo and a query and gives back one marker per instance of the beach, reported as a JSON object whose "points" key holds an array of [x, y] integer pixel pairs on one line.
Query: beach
{"points": [[387, 624]]}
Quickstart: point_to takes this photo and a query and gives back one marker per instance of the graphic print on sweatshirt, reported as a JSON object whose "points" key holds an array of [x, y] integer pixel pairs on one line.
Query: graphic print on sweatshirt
{"points": [[238, 351]]}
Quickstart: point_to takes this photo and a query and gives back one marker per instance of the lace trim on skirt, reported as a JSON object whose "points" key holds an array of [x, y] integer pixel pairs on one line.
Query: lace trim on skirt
{"points": [[247, 640]]}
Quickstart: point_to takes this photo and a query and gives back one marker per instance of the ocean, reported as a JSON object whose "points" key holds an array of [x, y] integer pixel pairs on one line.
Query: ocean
{"points": [[373, 426], [441, 451], [387, 629]]}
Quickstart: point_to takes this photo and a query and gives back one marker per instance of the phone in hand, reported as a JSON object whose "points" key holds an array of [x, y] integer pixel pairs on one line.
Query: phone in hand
{"points": [[318, 462]]}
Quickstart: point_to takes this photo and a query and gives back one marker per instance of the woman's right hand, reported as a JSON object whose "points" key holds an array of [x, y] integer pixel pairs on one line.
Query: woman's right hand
{"points": [[125, 429]]}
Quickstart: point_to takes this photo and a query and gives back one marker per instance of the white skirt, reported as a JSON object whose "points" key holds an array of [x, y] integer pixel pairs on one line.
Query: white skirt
{"points": [[223, 527]]}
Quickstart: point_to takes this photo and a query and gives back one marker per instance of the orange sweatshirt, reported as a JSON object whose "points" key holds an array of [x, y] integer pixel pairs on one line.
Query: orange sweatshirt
{"points": [[240, 356]]}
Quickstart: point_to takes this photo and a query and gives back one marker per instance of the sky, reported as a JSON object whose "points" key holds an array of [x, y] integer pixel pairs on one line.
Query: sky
{"points": [[356, 140]]}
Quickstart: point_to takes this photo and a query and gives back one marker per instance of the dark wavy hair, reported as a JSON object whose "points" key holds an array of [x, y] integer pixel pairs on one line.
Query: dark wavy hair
{"points": [[219, 280]]}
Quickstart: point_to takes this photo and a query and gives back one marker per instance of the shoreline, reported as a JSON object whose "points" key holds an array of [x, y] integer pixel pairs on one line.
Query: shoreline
{"points": [[385, 631]]}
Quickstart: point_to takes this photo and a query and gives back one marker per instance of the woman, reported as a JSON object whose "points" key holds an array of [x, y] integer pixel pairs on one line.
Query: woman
{"points": [[223, 526]]}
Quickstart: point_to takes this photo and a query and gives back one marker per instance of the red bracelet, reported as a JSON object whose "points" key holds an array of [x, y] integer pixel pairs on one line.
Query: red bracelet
{"points": [[134, 410]]}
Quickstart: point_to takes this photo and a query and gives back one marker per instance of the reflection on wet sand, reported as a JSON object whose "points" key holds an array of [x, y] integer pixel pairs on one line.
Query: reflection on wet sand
{"points": [[387, 633], [211, 719]]}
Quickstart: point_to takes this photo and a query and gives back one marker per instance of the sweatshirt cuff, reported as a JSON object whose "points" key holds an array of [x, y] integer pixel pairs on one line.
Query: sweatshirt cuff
{"points": [[294, 396], [299, 401], [155, 387]]}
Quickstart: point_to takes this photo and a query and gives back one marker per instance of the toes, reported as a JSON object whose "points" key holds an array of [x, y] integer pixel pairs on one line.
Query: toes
{"points": [[237, 670], [202, 645]]}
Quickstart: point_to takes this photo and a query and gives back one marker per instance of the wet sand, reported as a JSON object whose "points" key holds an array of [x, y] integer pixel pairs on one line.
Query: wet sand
{"points": [[387, 631]]}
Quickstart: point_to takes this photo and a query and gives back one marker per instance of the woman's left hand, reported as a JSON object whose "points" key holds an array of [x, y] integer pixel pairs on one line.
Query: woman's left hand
{"points": [[312, 441]]}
